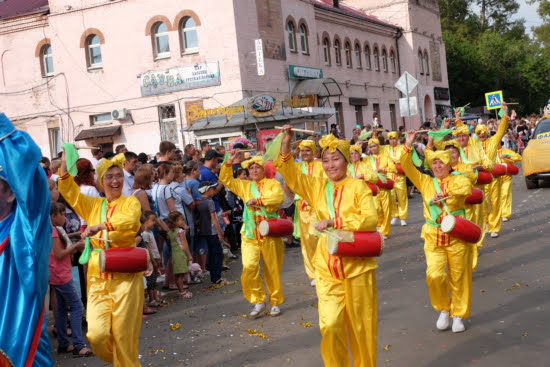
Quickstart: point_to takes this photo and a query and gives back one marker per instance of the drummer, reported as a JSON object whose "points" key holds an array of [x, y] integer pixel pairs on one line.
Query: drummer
{"points": [[399, 211], [115, 300], [506, 156], [262, 197], [346, 286], [359, 169], [448, 259]]}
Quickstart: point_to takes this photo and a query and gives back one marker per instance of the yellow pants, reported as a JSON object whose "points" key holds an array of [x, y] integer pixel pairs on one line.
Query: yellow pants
{"points": [[399, 193], [449, 276], [478, 214], [348, 318], [308, 239], [494, 215], [506, 196], [114, 318], [383, 207], [271, 250]]}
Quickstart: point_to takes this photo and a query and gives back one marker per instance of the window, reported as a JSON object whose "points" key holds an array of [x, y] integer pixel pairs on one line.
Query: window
{"points": [[93, 47], [426, 63], [101, 119], [303, 39], [326, 50], [189, 38], [337, 55], [392, 62], [376, 60], [168, 123], [384, 61], [367, 57], [161, 41], [358, 115], [420, 63], [55, 141], [357, 56], [291, 37], [46, 61], [347, 51]]}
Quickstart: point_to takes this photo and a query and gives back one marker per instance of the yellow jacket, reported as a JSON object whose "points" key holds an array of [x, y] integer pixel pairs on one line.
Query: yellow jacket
{"points": [[122, 220], [511, 157], [354, 211], [313, 169], [380, 161], [362, 168], [490, 146]]}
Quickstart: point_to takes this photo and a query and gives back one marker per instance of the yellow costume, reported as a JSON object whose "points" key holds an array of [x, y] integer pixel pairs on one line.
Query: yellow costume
{"points": [[450, 291], [346, 286], [361, 170], [400, 197], [507, 156], [115, 300], [271, 250]]}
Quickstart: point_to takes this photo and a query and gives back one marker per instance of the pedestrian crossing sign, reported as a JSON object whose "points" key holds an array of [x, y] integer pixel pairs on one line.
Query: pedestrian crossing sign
{"points": [[493, 100]]}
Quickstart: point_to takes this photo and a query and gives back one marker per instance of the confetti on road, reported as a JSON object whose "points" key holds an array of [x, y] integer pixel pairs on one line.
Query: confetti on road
{"points": [[387, 347], [175, 326], [306, 324], [256, 333]]}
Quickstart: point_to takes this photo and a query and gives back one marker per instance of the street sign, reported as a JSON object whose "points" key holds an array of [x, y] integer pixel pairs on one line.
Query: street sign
{"points": [[408, 106], [406, 83], [260, 57], [493, 100]]}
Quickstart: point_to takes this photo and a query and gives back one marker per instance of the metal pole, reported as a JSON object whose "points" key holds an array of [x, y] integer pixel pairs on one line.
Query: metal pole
{"points": [[408, 99]]}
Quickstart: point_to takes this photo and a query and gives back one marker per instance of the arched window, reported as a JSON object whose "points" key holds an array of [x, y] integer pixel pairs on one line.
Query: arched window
{"points": [[384, 61], [93, 48], [46, 58], [420, 63], [426, 63], [376, 60], [347, 51], [367, 57], [303, 39], [161, 40], [357, 51], [188, 34], [291, 36], [392, 62], [337, 55], [326, 50]]}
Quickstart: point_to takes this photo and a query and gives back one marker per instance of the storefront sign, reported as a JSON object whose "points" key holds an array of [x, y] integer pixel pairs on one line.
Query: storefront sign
{"points": [[194, 113], [263, 105], [304, 72], [180, 78], [358, 101]]}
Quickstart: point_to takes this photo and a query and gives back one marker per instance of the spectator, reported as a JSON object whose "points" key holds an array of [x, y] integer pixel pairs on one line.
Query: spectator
{"points": [[205, 147], [220, 149], [129, 171], [207, 173], [45, 163], [54, 166], [121, 149], [191, 182], [188, 153], [108, 155], [181, 257], [148, 220], [142, 158], [97, 154], [86, 181], [184, 202], [167, 151]]}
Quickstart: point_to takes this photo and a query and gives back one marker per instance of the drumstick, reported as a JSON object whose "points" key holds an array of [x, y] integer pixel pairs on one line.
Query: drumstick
{"points": [[422, 131], [100, 239], [466, 105], [244, 150], [332, 235], [509, 103], [299, 130], [83, 147], [444, 198]]}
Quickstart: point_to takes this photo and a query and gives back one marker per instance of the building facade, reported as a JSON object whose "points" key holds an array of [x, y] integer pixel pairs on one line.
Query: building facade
{"points": [[108, 72]]}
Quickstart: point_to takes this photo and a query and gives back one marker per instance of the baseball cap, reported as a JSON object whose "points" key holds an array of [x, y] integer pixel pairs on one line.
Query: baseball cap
{"points": [[205, 185], [211, 154]]}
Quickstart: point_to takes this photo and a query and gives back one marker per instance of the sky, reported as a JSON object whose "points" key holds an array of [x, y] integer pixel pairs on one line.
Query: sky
{"points": [[529, 13]]}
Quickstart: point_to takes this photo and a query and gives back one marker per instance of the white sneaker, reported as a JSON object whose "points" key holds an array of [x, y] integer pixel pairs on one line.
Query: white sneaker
{"points": [[505, 219], [394, 221], [458, 325], [385, 237], [312, 282], [257, 310], [494, 235], [275, 311], [403, 222], [443, 321]]}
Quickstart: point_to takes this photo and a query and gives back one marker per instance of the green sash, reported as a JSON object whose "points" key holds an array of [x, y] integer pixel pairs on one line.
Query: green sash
{"points": [[380, 176], [87, 253], [463, 156], [435, 210], [248, 221], [329, 195]]}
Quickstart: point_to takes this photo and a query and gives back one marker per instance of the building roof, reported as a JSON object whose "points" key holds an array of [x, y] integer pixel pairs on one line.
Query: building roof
{"points": [[17, 8], [347, 10], [99, 132]]}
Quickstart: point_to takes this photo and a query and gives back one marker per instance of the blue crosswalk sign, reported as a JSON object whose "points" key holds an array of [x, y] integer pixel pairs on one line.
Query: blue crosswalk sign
{"points": [[493, 100]]}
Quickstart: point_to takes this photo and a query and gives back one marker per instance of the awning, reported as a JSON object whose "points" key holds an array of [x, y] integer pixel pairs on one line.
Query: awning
{"points": [[99, 132], [326, 87]]}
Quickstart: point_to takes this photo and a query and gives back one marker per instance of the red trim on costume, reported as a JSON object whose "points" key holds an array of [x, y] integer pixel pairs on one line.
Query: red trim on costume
{"points": [[4, 244], [65, 176], [406, 149], [111, 211], [328, 264], [342, 269], [35, 339], [335, 268], [227, 164], [286, 158]]}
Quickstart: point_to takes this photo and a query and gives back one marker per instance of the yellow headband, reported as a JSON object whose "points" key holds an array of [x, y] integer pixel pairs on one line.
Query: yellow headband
{"points": [[308, 144], [443, 155], [249, 162], [450, 143], [332, 143], [480, 129], [105, 164], [393, 134], [463, 129], [374, 141], [356, 148]]}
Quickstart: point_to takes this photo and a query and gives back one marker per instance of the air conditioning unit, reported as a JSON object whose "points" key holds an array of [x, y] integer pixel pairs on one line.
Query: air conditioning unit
{"points": [[119, 114]]}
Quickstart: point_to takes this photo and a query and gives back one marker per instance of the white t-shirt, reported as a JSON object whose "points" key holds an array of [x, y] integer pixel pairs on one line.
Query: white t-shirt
{"points": [[160, 193], [150, 239]]}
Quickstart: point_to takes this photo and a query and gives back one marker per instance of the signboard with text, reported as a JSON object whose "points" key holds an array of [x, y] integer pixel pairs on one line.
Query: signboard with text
{"points": [[304, 72]]}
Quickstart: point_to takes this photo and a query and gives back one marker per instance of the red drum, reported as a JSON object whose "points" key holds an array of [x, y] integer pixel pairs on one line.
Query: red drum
{"points": [[276, 228], [373, 188], [385, 186], [511, 169], [365, 244], [484, 178], [498, 170], [476, 197], [399, 169], [461, 228], [123, 260]]}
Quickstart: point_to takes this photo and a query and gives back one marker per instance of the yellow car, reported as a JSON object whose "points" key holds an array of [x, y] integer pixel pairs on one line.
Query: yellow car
{"points": [[536, 157]]}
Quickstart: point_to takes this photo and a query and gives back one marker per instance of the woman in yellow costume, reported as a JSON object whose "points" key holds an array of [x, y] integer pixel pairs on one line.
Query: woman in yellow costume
{"points": [[304, 213], [381, 164], [359, 169], [399, 211], [262, 197], [448, 259], [507, 156], [115, 300], [346, 286]]}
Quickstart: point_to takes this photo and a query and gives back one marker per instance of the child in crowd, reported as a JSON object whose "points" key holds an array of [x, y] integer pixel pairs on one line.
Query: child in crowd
{"points": [[181, 256], [65, 290], [148, 220]]}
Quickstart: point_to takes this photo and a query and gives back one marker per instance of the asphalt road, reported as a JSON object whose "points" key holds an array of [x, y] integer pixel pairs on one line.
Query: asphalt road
{"points": [[508, 325]]}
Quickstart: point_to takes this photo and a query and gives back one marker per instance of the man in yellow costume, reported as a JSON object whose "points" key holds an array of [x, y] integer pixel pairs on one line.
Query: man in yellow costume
{"points": [[115, 300], [262, 197], [506, 156], [448, 259], [346, 286], [399, 194]]}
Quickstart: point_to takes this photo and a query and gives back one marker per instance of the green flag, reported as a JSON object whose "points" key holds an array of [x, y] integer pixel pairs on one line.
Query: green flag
{"points": [[274, 148], [440, 134], [71, 156]]}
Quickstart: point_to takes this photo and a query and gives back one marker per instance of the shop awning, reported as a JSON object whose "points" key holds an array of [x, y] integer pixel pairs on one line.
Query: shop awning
{"points": [[326, 87], [99, 132]]}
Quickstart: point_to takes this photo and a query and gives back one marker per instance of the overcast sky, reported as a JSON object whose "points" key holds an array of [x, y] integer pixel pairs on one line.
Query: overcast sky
{"points": [[529, 13]]}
